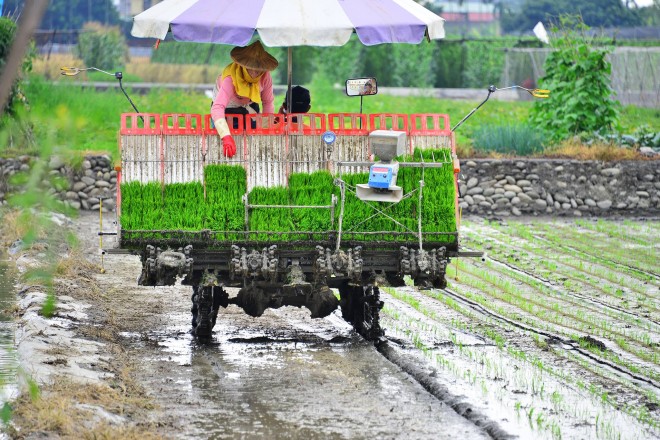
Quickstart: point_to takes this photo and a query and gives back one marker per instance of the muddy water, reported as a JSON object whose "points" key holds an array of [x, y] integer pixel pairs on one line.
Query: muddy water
{"points": [[8, 361], [286, 376]]}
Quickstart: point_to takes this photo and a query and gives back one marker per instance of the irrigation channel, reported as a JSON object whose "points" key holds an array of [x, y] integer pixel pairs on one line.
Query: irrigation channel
{"points": [[555, 335]]}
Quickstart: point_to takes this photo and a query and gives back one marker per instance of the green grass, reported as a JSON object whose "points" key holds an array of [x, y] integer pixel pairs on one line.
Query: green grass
{"points": [[520, 139], [95, 116]]}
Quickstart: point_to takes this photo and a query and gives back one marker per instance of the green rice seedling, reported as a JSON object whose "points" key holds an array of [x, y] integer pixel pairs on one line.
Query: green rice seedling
{"points": [[184, 207], [313, 189], [265, 220], [131, 206], [225, 187]]}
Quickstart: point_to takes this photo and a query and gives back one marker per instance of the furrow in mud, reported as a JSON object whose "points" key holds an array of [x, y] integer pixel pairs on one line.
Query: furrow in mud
{"points": [[513, 363]]}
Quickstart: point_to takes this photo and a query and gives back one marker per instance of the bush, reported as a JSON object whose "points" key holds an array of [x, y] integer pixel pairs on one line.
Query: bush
{"points": [[16, 96], [578, 77], [414, 66], [103, 47], [517, 139]]}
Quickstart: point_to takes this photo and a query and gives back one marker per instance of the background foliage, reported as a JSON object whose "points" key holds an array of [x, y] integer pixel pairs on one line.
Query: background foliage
{"points": [[579, 76], [103, 47], [16, 97]]}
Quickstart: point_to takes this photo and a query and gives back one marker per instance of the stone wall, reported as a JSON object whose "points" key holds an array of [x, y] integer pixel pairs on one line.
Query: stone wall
{"points": [[559, 187], [81, 187], [488, 187]]}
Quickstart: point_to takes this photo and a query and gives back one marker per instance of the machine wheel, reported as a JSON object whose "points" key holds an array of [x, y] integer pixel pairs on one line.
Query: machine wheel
{"points": [[206, 302], [360, 306]]}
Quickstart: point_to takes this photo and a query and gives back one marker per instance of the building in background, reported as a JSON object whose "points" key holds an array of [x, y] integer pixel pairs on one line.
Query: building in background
{"points": [[465, 17]]}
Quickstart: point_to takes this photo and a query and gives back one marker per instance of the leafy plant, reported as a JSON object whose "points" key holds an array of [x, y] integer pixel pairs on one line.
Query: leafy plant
{"points": [[578, 75], [103, 47]]}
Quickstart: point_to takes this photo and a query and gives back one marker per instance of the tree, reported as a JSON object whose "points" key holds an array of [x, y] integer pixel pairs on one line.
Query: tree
{"points": [[595, 13], [70, 14]]}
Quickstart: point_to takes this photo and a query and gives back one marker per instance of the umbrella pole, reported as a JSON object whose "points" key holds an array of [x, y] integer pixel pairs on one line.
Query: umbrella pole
{"points": [[289, 72]]}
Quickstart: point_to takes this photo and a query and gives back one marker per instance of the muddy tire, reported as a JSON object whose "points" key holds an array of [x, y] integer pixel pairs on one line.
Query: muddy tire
{"points": [[206, 302], [360, 306]]}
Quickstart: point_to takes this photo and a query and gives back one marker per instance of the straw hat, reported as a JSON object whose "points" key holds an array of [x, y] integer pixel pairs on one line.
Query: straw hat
{"points": [[254, 57]]}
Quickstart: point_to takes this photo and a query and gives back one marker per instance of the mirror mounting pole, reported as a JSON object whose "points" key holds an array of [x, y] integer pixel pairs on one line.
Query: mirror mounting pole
{"points": [[491, 89]]}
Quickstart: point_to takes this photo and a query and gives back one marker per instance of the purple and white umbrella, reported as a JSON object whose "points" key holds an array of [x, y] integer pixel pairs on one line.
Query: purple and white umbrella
{"points": [[290, 22]]}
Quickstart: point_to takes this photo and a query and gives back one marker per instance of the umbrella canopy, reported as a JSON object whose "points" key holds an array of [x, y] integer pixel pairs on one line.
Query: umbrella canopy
{"points": [[290, 22]]}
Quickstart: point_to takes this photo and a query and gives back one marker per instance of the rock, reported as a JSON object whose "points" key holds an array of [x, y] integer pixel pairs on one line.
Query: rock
{"points": [[88, 181], [79, 186], [590, 202], [463, 205], [515, 201], [644, 204], [93, 201], [561, 198], [95, 207], [71, 195], [478, 198], [485, 205], [86, 164], [581, 179], [549, 200], [522, 183], [647, 151], [475, 190], [24, 167], [469, 200], [648, 177], [574, 204], [84, 204], [502, 202], [74, 204], [532, 177], [472, 182], [471, 164], [532, 194], [102, 184], [610, 172], [524, 198], [604, 204], [621, 205], [540, 204], [515, 211], [561, 185], [514, 188], [557, 205], [509, 194], [642, 194], [55, 163], [559, 169], [577, 213], [510, 180], [489, 192], [461, 188], [521, 165], [565, 206]]}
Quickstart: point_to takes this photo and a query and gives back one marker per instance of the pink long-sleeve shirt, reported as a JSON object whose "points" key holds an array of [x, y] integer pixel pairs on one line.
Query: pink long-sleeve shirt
{"points": [[226, 97]]}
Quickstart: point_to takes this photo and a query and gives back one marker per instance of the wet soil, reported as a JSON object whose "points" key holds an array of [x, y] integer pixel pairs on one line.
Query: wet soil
{"points": [[547, 338], [282, 375]]}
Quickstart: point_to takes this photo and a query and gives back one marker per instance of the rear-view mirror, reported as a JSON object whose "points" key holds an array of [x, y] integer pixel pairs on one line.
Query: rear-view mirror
{"points": [[361, 86]]}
